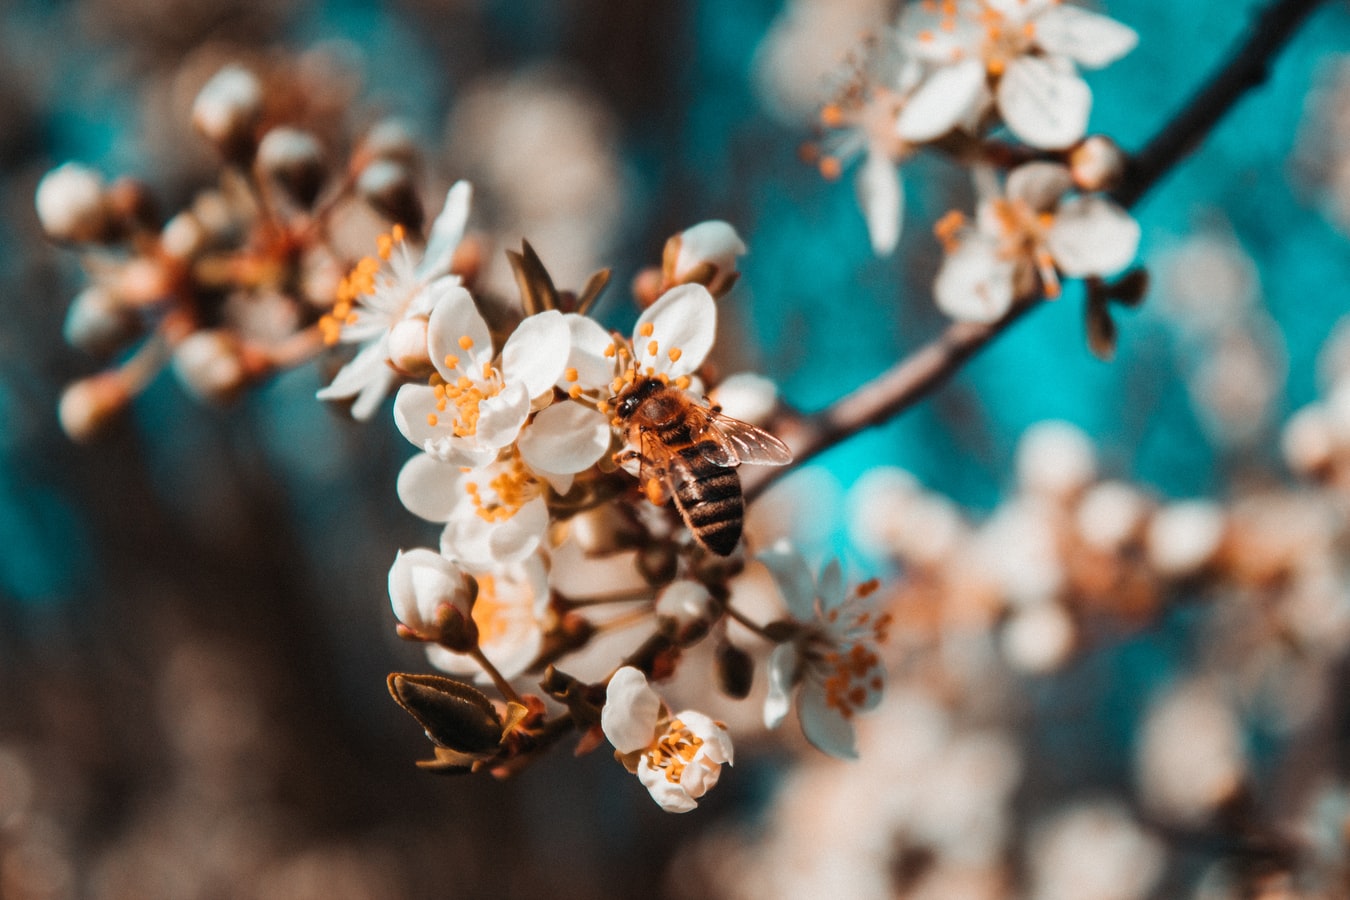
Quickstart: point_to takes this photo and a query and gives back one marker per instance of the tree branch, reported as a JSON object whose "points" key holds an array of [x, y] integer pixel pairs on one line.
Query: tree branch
{"points": [[919, 374]]}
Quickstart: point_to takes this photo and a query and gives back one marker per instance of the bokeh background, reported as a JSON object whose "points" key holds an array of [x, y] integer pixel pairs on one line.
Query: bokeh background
{"points": [[194, 630]]}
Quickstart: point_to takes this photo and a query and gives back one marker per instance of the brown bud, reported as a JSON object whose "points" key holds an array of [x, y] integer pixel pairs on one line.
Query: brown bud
{"points": [[293, 160], [454, 715], [735, 670], [658, 563], [389, 189]]}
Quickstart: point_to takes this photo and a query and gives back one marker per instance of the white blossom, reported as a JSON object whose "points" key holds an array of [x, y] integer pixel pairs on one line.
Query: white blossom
{"points": [[425, 588], [380, 295], [1028, 50], [509, 610], [677, 758], [832, 664]]}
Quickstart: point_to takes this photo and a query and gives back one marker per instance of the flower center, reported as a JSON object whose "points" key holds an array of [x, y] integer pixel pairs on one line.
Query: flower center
{"points": [[674, 750], [494, 618], [357, 283], [508, 490], [1024, 235], [463, 397]]}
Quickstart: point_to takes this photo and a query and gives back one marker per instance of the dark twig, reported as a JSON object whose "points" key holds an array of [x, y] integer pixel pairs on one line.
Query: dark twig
{"points": [[922, 372]]}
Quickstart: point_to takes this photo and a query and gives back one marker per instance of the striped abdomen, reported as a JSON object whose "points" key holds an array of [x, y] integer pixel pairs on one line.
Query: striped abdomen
{"points": [[708, 496]]}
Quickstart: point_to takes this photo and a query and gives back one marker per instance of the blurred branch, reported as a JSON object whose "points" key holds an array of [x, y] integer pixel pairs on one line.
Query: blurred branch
{"points": [[928, 368]]}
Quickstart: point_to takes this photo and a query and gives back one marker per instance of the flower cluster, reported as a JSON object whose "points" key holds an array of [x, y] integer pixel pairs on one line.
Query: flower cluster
{"points": [[950, 75], [244, 281]]}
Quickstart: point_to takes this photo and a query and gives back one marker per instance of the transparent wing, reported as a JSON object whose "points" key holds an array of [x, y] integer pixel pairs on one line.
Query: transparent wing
{"points": [[744, 443]]}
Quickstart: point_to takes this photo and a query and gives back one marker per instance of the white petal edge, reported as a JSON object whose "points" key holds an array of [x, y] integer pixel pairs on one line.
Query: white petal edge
{"points": [[429, 488], [1093, 236], [882, 201], [536, 353], [447, 231], [631, 709], [1090, 39], [683, 318], [949, 97], [565, 438], [1044, 104]]}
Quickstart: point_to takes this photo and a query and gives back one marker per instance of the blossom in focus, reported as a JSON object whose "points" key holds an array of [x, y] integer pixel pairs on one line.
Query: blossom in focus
{"points": [[677, 758], [1026, 50], [509, 613], [832, 663], [1023, 238], [384, 305], [670, 340], [477, 403], [426, 591]]}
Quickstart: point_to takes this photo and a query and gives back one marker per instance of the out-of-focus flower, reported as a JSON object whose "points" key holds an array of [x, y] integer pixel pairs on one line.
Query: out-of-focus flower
{"points": [[677, 758], [428, 592], [832, 661], [509, 612], [705, 254], [1026, 48], [383, 298], [72, 204], [1190, 757], [1055, 459], [1094, 851], [1024, 238], [476, 403]]}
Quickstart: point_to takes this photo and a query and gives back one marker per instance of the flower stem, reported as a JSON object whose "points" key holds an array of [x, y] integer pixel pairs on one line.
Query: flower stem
{"points": [[749, 623], [923, 371], [504, 686]]}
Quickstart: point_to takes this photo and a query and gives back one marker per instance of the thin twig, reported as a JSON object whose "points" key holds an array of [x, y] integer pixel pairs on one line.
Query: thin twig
{"points": [[922, 372]]}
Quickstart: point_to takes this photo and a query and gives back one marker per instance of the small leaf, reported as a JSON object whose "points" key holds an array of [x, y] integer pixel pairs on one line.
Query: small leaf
{"points": [[455, 715], [595, 285]]}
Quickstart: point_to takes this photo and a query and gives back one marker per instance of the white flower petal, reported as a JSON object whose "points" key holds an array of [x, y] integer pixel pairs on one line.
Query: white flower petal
{"points": [[824, 726], [793, 579], [951, 96], [1093, 236], [1040, 184], [589, 341], [1044, 103], [447, 231], [480, 543], [716, 745], [536, 353], [975, 284], [830, 586], [882, 201], [668, 795], [368, 368], [429, 488], [1089, 39], [565, 438], [631, 710], [683, 319], [373, 394], [412, 405], [455, 323], [783, 668], [454, 663], [501, 417]]}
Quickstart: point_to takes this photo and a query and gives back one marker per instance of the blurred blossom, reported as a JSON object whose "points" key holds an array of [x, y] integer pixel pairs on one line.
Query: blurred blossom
{"points": [[1094, 851], [1190, 758], [1056, 459]]}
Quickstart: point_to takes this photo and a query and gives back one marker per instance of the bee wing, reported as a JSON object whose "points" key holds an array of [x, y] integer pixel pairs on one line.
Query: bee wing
{"points": [[744, 443]]}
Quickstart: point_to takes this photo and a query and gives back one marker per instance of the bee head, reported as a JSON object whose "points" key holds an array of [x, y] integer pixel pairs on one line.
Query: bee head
{"points": [[633, 395]]}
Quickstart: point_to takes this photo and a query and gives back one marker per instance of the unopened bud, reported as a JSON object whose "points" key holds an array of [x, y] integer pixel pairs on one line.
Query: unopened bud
{"points": [[1183, 538], [88, 405], [210, 365], [746, 396], [390, 140], [72, 204], [685, 602], [97, 323], [432, 598], [1097, 164], [182, 236], [454, 715], [1055, 459], [735, 671], [706, 254], [408, 347], [388, 187], [227, 111], [658, 563], [293, 159]]}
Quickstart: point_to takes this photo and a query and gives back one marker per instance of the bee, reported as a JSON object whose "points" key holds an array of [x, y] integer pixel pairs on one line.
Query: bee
{"points": [[690, 452]]}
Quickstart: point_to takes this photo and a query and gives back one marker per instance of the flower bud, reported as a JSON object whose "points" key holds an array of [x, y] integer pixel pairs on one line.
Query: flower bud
{"points": [[454, 715], [408, 347], [705, 253], [388, 187], [182, 236], [294, 160], [1096, 164], [97, 323], [1056, 459], [746, 396], [432, 598], [210, 365], [1185, 537], [227, 111], [390, 140], [88, 405], [1038, 638], [1111, 515], [72, 204], [735, 670], [685, 602]]}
